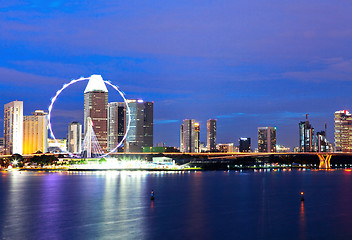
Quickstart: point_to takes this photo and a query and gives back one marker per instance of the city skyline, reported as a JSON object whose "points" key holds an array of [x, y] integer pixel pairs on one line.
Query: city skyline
{"points": [[199, 126], [179, 119], [268, 68]]}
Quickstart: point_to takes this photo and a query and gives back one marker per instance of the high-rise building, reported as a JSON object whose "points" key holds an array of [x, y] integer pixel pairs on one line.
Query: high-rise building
{"points": [[190, 133], [322, 144], [116, 125], [197, 139], [141, 128], [211, 135], [148, 124], [13, 127], [245, 144], [343, 131], [306, 135], [96, 107], [266, 139], [2, 146], [74, 138], [35, 132]]}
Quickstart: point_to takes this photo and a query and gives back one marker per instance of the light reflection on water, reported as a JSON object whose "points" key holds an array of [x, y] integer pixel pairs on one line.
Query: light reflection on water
{"points": [[302, 222], [190, 205]]}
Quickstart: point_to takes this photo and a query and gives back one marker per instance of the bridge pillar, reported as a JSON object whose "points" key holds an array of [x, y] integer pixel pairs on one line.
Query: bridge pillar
{"points": [[324, 161]]}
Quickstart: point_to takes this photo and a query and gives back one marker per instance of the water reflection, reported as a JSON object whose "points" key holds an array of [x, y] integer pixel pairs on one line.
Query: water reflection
{"points": [[14, 208], [302, 222], [152, 206], [117, 205], [197, 221]]}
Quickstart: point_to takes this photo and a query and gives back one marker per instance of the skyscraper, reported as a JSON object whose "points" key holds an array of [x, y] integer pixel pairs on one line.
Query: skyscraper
{"points": [[245, 144], [189, 137], [197, 135], [322, 144], [141, 128], [267, 139], [75, 137], [35, 132], [96, 107], [13, 127], [211, 135], [148, 124], [2, 148], [116, 124], [306, 135], [343, 131]]}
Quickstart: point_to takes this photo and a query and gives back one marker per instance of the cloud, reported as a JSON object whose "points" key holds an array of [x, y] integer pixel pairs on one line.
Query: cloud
{"points": [[335, 69], [165, 121], [241, 29], [232, 115], [24, 79]]}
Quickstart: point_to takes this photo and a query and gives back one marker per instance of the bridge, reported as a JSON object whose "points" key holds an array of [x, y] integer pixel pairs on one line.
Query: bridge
{"points": [[224, 158], [324, 157], [218, 157]]}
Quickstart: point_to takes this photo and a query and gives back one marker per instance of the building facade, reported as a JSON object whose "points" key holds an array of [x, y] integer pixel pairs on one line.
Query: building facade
{"points": [[2, 146], [211, 135], [282, 149], [266, 139], [226, 147], [322, 144], [244, 144], [13, 127], [96, 107], [57, 145], [306, 137], [141, 129], [343, 131], [189, 136], [74, 138], [35, 132], [116, 125]]}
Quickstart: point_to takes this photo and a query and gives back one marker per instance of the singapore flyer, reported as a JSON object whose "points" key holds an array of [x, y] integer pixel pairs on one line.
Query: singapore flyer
{"points": [[65, 86]]}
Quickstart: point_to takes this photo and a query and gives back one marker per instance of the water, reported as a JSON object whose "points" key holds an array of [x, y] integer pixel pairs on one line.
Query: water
{"points": [[188, 205]]}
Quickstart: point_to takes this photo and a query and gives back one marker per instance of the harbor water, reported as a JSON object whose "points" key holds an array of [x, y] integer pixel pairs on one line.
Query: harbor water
{"points": [[187, 205]]}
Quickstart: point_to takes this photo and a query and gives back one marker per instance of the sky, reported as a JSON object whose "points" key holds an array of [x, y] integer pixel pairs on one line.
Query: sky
{"points": [[247, 64]]}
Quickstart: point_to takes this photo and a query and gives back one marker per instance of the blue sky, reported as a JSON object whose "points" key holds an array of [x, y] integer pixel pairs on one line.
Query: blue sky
{"points": [[246, 63]]}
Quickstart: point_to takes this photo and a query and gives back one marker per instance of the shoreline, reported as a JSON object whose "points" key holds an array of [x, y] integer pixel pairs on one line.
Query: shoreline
{"points": [[161, 169]]}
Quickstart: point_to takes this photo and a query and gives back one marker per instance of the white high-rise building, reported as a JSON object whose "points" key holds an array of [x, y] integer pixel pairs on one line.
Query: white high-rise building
{"points": [[75, 137], [13, 127]]}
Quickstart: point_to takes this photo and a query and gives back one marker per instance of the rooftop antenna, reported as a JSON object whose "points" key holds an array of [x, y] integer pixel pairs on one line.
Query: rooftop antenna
{"points": [[325, 130]]}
